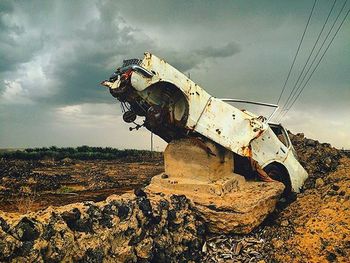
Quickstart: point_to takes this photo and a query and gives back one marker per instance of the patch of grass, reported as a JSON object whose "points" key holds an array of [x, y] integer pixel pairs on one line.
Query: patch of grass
{"points": [[80, 153], [65, 189]]}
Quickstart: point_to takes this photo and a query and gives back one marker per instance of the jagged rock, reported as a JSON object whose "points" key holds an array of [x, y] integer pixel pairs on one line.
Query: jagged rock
{"points": [[284, 223], [319, 183], [124, 228], [26, 230], [310, 142]]}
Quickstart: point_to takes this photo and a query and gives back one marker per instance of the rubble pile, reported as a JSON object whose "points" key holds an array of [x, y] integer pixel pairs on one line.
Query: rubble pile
{"points": [[317, 158], [127, 228], [18, 177], [314, 228]]}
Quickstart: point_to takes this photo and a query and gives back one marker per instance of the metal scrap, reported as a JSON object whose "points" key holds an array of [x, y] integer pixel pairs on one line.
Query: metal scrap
{"points": [[233, 248]]}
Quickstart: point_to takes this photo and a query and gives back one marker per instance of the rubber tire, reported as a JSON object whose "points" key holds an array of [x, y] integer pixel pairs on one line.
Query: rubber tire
{"points": [[276, 174]]}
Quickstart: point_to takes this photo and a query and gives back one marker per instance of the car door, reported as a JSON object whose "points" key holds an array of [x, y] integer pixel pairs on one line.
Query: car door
{"points": [[296, 171], [267, 148]]}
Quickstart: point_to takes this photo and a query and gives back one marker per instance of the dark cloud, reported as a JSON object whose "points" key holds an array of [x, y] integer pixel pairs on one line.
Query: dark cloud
{"points": [[75, 58], [197, 13], [17, 44], [80, 56], [186, 60], [5, 7], [55, 53], [94, 52]]}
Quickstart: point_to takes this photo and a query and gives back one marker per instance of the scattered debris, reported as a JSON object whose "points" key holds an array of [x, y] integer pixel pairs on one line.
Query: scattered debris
{"points": [[234, 248]]}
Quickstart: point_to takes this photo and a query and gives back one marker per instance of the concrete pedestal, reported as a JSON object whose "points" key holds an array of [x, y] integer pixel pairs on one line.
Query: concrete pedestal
{"points": [[203, 172]]}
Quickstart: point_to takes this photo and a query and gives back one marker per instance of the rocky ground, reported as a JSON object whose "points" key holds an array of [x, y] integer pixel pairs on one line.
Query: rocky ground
{"points": [[313, 228], [127, 228], [32, 185]]}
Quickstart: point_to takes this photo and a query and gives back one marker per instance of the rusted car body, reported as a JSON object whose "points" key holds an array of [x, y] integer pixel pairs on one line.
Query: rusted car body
{"points": [[174, 107]]}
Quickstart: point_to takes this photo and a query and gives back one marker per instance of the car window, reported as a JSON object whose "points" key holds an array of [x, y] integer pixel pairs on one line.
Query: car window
{"points": [[281, 134]]}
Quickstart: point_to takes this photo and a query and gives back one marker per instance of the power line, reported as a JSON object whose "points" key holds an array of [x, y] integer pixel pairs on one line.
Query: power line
{"points": [[296, 54], [318, 63], [287, 104], [308, 59], [287, 107]]}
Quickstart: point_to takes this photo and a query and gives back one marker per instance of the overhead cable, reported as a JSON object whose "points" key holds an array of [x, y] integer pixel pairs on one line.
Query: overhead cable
{"points": [[296, 54], [308, 59], [318, 63]]}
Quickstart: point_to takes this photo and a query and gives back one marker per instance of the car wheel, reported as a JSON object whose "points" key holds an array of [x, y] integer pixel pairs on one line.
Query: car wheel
{"points": [[277, 174]]}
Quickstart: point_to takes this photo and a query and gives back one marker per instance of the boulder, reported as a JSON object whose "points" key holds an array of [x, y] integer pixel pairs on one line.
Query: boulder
{"points": [[226, 201]]}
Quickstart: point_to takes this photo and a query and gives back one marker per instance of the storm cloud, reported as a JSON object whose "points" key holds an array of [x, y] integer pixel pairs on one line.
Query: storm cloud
{"points": [[53, 55]]}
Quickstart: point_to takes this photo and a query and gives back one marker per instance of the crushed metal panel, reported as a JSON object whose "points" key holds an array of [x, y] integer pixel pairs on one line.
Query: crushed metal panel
{"points": [[297, 173], [268, 148], [211, 117], [229, 126], [196, 96]]}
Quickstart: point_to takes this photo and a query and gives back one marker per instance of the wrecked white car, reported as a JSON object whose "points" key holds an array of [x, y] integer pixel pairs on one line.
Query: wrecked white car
{"points": [[173, 107]]}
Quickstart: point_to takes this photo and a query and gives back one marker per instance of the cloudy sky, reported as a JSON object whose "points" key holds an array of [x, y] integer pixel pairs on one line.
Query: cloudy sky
{"points": [[53, 54]]}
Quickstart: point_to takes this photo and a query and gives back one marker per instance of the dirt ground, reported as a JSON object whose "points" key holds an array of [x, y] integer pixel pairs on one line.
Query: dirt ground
{"points": [[316, 227], [313, 228], [32, 185]]}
